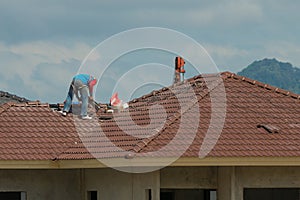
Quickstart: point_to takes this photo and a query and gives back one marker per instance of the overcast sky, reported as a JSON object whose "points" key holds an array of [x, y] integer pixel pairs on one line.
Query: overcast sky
{"points": [[43, 43]]}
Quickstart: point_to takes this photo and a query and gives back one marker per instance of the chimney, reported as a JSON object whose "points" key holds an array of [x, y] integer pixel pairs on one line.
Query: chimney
{"points": [[179, 69]]}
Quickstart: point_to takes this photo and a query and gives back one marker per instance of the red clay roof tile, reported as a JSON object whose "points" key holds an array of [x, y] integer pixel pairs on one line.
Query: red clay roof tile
{"points": [[33, 131]]}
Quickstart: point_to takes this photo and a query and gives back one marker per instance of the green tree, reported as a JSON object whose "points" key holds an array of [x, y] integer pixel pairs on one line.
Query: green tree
{"points": [[274, 72]]}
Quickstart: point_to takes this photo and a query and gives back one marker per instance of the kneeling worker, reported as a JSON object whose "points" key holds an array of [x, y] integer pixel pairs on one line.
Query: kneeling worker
{"points": [[83, 83]]}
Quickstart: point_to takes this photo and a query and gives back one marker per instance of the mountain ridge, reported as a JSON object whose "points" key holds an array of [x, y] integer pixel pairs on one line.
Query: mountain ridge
{"points": [[271, 71]]}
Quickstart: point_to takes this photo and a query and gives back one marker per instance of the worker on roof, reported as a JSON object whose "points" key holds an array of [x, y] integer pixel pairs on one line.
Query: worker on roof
{"points": [[84, 84]]}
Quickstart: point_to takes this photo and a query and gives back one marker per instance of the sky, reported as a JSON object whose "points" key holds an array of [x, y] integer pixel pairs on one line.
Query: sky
{"points": [[44, 43]]}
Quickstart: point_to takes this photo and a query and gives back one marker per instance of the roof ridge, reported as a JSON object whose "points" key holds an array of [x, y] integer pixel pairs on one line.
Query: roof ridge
{"points": [[176, 116], [191, 80], [31, 104], [155, 92], [13, 96], [261, 84]]}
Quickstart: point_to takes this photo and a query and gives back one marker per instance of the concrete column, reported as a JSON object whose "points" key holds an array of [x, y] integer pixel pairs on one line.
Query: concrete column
{"points": [[226, 183], [146, 181], [82, 184]]}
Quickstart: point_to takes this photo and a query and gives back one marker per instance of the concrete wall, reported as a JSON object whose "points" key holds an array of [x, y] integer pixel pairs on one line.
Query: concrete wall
{"points": [[233, 180], [265, 177], [113, 184], [230, 181], [42, 184], [189, 177]]}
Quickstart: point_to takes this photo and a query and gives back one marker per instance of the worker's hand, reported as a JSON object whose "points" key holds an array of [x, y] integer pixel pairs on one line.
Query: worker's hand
{"points": [[91, 99], [79, 98]]}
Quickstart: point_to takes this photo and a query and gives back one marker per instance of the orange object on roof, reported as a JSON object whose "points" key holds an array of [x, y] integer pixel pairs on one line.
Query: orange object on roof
{"points": [[114, 100], [179, 63]]}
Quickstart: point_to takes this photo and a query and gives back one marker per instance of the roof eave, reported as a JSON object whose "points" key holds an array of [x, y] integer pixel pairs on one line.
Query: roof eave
{"points": [[150, 162], [238, 161]]}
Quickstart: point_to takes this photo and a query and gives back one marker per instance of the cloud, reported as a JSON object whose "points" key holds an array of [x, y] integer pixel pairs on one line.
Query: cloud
{"points": [[32, 20], [225, 13], [224, 54], [40, 70], [151, 75], [242, 57], [53, 37], [49, 51], [225, 51], [51, 81], [284, 51]]}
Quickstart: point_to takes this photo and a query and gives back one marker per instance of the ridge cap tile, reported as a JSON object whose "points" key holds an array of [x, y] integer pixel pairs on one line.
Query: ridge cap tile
{"points": [[262, 85]]}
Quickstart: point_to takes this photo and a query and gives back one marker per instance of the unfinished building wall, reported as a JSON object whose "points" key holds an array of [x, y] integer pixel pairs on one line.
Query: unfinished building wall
{"points": [[112, 184], [180, 183], [189, 177], [42, 184], [265, 177], [262, 181]]}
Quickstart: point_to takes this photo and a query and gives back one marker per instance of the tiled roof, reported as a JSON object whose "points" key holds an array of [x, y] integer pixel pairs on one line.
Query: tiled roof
{"points": [[7, 97], [253, 111], [261, 121], [32, 131]]}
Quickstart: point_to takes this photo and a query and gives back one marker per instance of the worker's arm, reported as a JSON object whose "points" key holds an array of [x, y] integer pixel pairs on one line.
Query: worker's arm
{"points": [[91, 88], [92, 83], [91, 99], [77, 95]]}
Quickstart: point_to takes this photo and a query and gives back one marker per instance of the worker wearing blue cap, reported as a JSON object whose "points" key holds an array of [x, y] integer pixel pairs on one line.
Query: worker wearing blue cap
{"points": [[84, 84]]}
